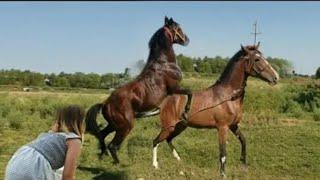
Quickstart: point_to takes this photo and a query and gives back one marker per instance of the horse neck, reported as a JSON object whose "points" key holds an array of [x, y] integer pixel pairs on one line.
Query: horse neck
{"points": [[161, 47], [236, 77], [160, 54]]}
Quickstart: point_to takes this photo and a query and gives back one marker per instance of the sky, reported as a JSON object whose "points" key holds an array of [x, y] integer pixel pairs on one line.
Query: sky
{"points": [[103, 37]]}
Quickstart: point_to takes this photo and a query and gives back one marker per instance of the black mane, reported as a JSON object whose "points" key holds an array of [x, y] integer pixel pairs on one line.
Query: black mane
{"points": [[229, 68], [157, 45]]}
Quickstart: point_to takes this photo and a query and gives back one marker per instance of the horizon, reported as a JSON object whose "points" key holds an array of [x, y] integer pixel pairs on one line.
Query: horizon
{"points": [[107, 37]]}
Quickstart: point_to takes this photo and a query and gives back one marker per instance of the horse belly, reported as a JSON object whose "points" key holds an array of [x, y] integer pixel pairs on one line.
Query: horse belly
{"points": [[202, 120]]}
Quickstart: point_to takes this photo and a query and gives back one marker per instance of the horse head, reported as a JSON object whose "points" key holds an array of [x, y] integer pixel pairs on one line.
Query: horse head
{"points": [[174, 32], [258, 66]]}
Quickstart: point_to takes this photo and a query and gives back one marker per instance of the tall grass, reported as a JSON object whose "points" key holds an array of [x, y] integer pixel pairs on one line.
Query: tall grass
{"points": [[281, 124]]}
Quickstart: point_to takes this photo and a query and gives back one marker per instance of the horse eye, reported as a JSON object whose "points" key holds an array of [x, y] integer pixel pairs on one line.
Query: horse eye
{"points": [[257, 60]]}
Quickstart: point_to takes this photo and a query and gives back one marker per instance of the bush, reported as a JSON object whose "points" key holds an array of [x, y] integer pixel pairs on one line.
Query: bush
{"points": [[318, 73], [316, 115], [293, 109], [15, 120]]}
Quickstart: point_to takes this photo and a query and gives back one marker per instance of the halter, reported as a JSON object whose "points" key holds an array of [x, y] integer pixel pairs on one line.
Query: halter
{"points": [[258, 71], [176, 33], [167, 30], [253, 66]]}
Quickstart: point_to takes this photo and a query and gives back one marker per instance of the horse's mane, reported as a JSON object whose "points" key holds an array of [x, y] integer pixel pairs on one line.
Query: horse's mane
{"points": [[158, 39], [157, 43], [229, 68]]}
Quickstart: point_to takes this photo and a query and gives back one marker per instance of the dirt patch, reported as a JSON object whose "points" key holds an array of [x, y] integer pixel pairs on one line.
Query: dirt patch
{"points": [[291, 122]]}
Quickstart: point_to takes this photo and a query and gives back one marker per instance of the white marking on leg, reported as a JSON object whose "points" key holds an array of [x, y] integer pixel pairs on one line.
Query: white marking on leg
{"points": [[176, 155], [155, 161], [174, 152], [223, 159]]}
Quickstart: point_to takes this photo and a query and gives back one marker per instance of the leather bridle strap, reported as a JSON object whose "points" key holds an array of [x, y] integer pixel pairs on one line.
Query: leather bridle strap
{"points": [[176, 33], [167, 30], [258, 71]]}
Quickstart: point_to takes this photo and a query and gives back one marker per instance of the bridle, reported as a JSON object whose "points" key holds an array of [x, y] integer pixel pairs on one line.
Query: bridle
{"points": [[176, 33], [256, 68]]}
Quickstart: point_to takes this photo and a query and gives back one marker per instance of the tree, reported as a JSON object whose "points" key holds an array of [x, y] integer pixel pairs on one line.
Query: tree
{"points": [[205, 67], [282, 66], [217, 64], [318, 73], [185, 63], [61, 82]]}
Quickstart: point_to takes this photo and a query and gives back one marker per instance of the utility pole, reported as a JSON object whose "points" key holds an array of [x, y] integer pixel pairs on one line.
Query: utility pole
{"points": [[255, 33]]}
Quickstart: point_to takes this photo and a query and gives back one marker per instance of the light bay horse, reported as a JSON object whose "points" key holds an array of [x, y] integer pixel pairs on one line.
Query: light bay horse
{"points": [[219, 106]]}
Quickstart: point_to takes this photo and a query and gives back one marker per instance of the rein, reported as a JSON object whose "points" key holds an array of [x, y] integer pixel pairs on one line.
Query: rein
{"points": [[235, 94], [169, 32]]}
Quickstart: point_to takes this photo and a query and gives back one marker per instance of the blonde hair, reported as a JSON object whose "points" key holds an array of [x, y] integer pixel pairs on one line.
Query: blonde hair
{"points": [[70, 119]]}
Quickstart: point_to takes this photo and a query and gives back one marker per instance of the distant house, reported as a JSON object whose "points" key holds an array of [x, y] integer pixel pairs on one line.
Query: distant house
{"points": [[47, 82]]}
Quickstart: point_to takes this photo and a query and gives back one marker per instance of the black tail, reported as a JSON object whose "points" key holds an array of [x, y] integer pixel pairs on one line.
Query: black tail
{"points": [[91, 119]]}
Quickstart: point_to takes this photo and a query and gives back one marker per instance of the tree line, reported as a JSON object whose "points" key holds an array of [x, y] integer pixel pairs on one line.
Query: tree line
{"points": [[206, 65], [216, 65], [74, 80]]}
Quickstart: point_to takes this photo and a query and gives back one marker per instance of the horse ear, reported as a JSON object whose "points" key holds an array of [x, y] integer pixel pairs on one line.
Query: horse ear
{"points": [[242, 48], [245, 49], [166, 20], [170, 21], [257, 46]]}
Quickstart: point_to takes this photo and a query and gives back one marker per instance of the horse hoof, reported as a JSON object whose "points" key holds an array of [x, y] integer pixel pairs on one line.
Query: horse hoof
{"points": [[155, 165], [116, 162], [100, 155], [223, 175], [244, 168]]}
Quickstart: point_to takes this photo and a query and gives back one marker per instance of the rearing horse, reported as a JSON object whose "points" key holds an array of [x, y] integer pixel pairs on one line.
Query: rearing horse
{"points": [[159, 78], [219, 106]]}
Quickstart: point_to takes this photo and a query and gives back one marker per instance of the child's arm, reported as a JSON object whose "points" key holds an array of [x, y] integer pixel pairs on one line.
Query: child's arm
{"points": [[73, 152]]}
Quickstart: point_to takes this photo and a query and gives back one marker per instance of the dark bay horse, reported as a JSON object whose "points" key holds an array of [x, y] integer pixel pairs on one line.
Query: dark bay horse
{"points": [[159, 78], [219, 106]]}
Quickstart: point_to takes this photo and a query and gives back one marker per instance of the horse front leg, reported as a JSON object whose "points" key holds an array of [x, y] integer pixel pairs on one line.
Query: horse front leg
{"points": [[161, 137], [222, 131], [236, 131]]}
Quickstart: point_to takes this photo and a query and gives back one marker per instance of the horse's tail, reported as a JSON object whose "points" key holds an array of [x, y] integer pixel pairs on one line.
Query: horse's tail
{"points": [[91, 120]]}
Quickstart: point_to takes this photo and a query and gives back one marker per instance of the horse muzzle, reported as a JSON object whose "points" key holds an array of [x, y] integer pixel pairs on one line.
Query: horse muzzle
{"points": [[185, 41]]}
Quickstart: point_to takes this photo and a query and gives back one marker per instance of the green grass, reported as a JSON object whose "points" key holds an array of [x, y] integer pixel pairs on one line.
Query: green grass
{"points": [[279, 145]]}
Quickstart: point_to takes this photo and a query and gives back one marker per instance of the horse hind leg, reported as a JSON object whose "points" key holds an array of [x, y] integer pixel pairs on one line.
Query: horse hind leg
{"points": [[102, 135], [114, 145], [179, 128]]}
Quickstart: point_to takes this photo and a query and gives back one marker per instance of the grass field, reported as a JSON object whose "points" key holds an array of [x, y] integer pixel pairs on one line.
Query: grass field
{"points": [[283, 139]]}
